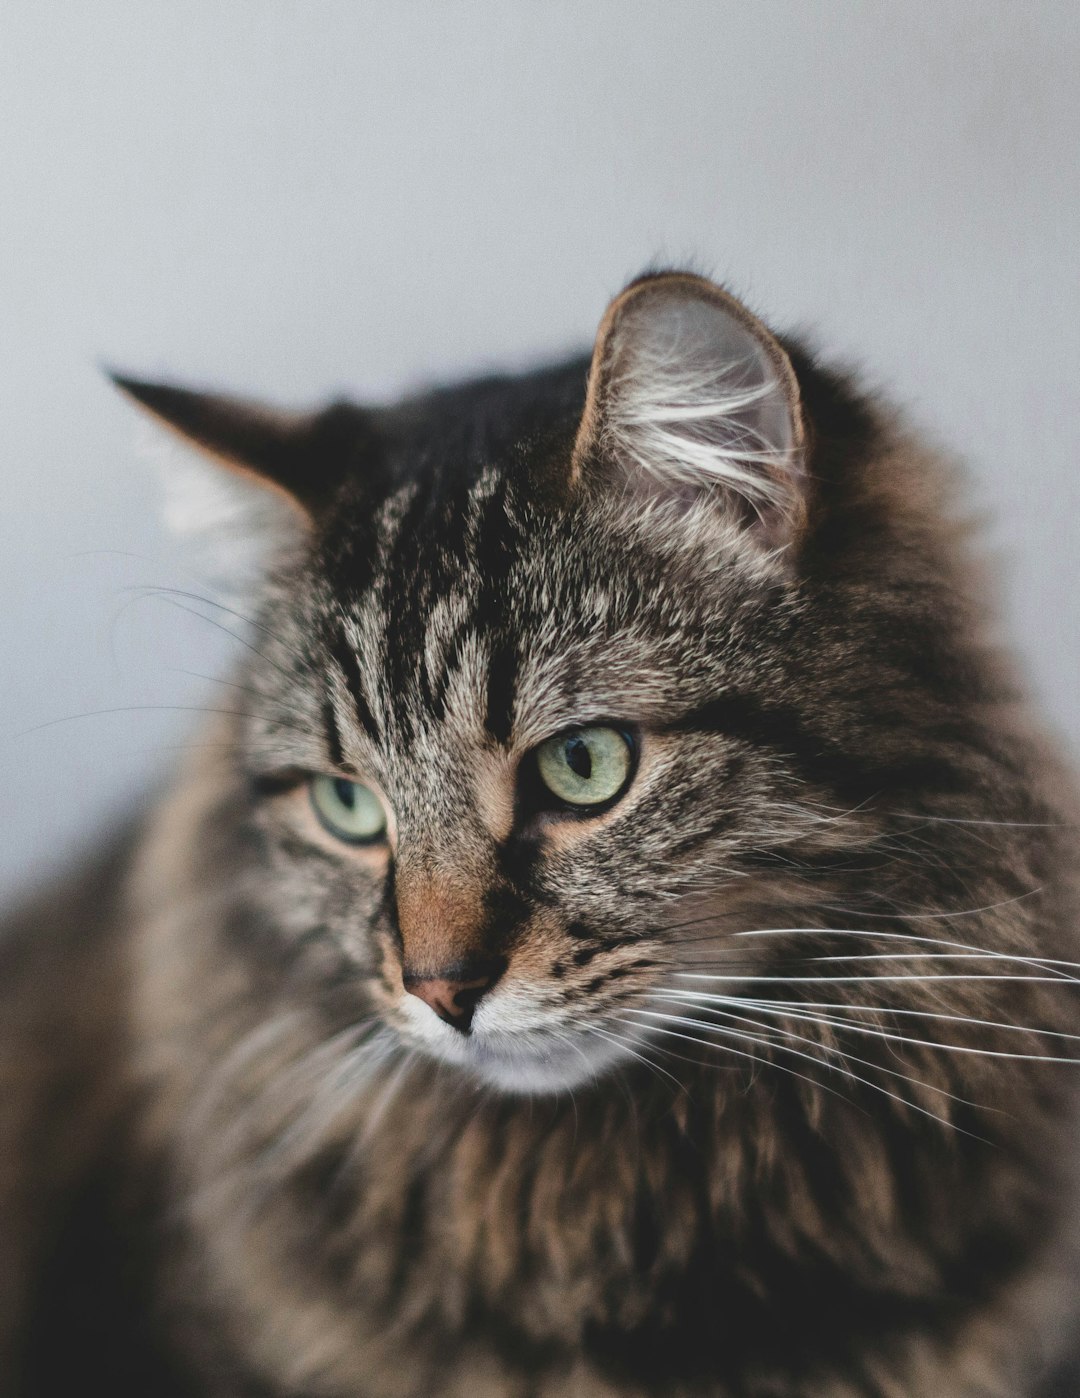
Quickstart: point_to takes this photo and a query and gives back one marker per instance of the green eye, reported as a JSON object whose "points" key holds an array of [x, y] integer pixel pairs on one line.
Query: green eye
{"points": [[349, 810], [586, 766]]}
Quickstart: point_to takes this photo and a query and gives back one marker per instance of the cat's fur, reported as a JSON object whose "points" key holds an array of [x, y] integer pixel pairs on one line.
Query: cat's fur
{"points": [[237, 1160]]}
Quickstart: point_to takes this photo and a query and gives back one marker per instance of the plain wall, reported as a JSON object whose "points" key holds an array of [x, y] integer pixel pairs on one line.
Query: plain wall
{"points": [[294, 198]]}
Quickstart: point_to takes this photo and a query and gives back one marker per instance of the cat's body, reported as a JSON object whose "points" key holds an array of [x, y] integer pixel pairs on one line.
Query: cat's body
{"points": [[448, 1109]]}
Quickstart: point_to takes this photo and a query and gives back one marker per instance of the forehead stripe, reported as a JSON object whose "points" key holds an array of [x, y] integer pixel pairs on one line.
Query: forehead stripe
{"points": [[496, 545], [501, 685], [333, 736], [347, 663]]}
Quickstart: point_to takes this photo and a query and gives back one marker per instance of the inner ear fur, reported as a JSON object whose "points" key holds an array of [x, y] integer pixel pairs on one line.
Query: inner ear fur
{"points": [[689, 394]]}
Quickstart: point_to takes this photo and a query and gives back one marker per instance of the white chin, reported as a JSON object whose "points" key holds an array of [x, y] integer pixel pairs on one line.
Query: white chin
{"points": [[537, 1064], [530, 1063], [504, 1052]]}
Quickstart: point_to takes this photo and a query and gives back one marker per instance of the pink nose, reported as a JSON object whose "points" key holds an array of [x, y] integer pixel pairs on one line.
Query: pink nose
{"points": [[454, 1001]]}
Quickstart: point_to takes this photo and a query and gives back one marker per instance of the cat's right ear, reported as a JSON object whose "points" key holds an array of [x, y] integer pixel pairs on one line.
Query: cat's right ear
{"points": [[302, 455], [693, 402]]}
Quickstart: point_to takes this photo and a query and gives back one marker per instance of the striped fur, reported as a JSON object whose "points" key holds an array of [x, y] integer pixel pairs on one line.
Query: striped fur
{"points": [[769, 1099]]}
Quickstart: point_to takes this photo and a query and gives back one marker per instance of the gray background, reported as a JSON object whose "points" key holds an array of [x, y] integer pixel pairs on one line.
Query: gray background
{"points": [[292, 198]]}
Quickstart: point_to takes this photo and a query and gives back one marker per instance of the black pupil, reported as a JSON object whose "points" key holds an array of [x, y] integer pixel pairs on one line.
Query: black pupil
{"points": [[578, 758], [346, 792]]}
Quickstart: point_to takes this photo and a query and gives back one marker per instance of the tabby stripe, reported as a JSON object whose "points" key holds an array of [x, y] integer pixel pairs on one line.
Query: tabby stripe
{"points": [[405, 603], [347, 663], [451, 659], [501, 688], [781, 728], [333, 736], [744, 716], [494, 556]]}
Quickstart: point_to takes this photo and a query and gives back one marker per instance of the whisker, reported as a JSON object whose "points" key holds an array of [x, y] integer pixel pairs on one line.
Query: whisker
{"points": [[846, 1072], [162, 708], [943, 956], [385, 1099], [671, 1054], [215, 679], [1003, 824], [628, 1046], [929, 917], [867, 980], [829, 1049], [920, 1014], [764, 1007], [167, 593], [754, 1058], [1040, 962], [366, 1048], [210, 621]]}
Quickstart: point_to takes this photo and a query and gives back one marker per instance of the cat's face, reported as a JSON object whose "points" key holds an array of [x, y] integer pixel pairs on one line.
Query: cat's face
{"points": [[492, 784], [533, 795], [549, 707]]}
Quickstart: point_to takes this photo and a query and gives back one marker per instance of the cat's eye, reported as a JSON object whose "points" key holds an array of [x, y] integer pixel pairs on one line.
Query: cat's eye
{"points": [[586, 766], [349, 810]]}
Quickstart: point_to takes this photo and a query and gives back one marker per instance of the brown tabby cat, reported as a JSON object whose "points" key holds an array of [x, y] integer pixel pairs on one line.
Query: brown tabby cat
{"points": [[619, 942]]}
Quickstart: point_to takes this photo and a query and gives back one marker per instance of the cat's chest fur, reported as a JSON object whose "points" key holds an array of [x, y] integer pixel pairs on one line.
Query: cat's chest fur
{"points": [[552, 1249], [350, 1222]]}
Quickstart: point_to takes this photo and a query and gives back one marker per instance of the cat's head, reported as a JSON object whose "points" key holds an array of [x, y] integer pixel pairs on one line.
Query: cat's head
{"points": [[567, 681]]}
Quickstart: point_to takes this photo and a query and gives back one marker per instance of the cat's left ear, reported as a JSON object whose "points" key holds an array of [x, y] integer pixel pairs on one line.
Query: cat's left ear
{"points": [[691, 399], [303, 455]]}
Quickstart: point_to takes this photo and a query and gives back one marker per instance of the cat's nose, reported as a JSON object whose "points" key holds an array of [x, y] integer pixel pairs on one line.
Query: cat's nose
{"points": [[453, 1000]]}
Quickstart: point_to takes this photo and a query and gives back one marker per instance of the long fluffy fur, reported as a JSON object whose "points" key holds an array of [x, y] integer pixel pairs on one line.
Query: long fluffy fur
{"points": [[806, 997]]}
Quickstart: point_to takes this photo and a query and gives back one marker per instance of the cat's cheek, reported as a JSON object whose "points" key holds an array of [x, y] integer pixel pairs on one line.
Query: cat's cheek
{"points": [[538, 948]]}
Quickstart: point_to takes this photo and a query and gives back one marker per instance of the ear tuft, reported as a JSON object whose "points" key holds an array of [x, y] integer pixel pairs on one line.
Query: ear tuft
{"points": [[690, 396], [305, 455]]}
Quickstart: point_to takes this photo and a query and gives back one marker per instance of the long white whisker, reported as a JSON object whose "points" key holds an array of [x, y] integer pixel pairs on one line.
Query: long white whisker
{"points": [[1039, 962], [934, 917], [941, 956], [799, 1053], [754, 1058], [866, 980], [385, 1099], [921, 1014], [835, 1051], [718, 1029], [628, 1046], [1003, 824], [765, 1007]]}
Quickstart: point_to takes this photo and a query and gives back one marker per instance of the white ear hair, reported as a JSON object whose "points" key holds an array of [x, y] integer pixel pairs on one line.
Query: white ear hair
{"points": [[232, 525], [692, 394]]}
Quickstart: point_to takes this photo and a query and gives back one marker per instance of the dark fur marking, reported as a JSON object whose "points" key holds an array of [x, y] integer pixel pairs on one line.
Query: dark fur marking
{"points": [[502, 680], [783, 729], [345, 658], [333, 737]]}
